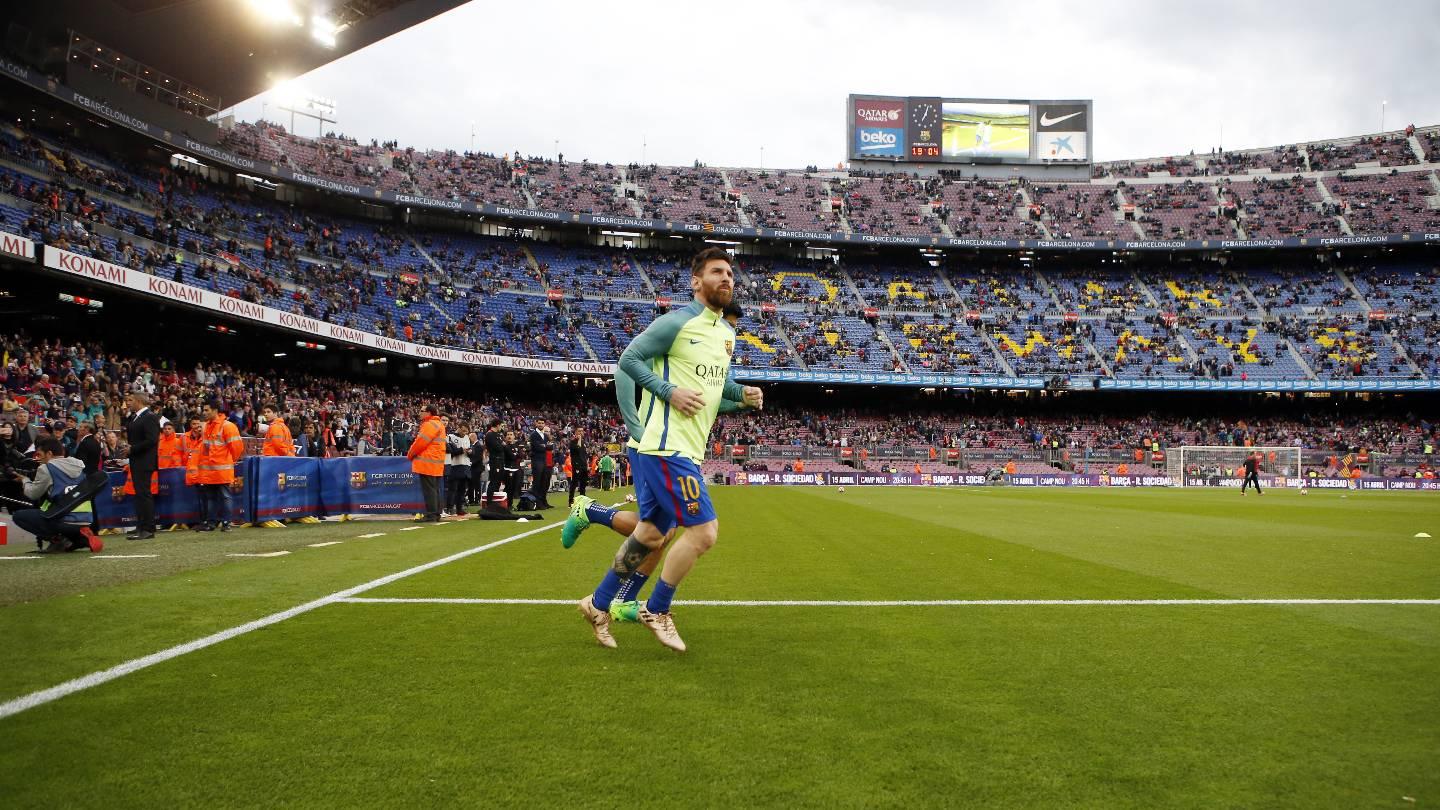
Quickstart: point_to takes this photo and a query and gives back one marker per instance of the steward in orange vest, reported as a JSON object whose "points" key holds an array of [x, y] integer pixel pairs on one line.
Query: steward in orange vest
{"points": [[427, 460], [172, 453], [214, 464], [278, 441], [427, 452], [220, 449], [190, 447]]}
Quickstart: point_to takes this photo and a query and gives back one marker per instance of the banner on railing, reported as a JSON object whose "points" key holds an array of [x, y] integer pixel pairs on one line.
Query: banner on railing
{"points": [[274, 488], [285, 488], [176, 502], [369, 485]]}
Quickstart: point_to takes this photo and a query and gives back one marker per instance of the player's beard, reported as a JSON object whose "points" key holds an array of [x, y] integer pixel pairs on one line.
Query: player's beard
{"points": [[716, 296]]}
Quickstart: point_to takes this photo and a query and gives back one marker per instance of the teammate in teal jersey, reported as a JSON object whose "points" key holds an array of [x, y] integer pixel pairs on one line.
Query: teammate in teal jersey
{"points": [[682, 363], [585, 511]]}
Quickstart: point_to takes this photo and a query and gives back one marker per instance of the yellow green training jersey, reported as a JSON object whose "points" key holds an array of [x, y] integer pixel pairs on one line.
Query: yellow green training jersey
{"points": [[687, 348]]}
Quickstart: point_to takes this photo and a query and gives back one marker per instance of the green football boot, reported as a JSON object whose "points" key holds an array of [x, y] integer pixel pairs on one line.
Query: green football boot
{"points": [[577, 521], [625, 612]]}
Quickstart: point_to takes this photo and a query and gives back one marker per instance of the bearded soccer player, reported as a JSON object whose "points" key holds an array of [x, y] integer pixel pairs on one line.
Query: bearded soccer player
{"points": [[584, 510], [682, 361]]}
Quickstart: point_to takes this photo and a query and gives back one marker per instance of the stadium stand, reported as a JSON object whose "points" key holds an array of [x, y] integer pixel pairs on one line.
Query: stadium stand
{"points": [[1389, 203], [785, 200], [489, 292], [686, 195], [1281, 208], [1381, 150], [890, 204], [1185, 210], [986, 209], [1079, 210]]}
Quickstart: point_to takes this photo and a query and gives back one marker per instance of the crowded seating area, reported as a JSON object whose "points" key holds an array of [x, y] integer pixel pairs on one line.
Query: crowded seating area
{"points": [[489, 293], [55, 387]]}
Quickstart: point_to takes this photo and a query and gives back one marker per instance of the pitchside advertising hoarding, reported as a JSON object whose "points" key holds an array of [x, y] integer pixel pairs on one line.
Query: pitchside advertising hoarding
{"points": [[861, 479], [931, 129]]}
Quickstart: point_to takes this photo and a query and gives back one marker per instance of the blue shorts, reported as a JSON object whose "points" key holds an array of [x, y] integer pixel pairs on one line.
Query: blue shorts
{"points": [[670, 491]]}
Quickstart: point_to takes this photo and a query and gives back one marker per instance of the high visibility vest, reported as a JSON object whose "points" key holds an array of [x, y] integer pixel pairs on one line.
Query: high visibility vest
{"points": [[427, 452], [568, 467], [172, 454], [278, 441], [190, 446], [130, 482], [220, 450]]}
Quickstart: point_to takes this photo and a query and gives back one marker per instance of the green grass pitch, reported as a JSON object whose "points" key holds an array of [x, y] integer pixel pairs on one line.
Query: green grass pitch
{"points": [[513, 705]]}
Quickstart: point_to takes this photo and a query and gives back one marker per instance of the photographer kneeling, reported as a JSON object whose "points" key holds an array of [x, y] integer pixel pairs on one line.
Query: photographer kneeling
{"points": [[54, 475]]}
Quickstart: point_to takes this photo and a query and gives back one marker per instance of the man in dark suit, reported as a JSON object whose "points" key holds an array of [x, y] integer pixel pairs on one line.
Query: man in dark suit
{"points": [[540, 470], [579, 464], [497, 451], [87, 449], [514, 466], [143, 435]]}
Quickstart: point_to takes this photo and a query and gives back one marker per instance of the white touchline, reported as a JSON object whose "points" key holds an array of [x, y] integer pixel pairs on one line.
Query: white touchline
{"points": [[323, 545], [907, 602], [124, 556], [266, 554], [70, 687], [372, 534]]}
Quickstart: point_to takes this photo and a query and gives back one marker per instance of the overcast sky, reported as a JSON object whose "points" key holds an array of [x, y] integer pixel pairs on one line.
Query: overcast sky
{"points": [[722, 81]]}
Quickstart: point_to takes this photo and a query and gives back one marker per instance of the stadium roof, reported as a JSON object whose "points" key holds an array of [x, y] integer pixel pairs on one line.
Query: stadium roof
{"points": [[225, 46]]}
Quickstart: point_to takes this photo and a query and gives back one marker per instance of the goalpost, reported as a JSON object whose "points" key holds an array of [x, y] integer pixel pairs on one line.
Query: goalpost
{"points": [[1221, 466]]}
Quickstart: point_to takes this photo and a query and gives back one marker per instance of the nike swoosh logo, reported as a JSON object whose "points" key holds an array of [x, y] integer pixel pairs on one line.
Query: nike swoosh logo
{"points": [[1047, 121], [693, 342]]}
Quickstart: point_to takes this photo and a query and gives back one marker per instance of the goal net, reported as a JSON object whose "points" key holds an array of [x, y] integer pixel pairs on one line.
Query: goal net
{"points": [[1204, 466]]}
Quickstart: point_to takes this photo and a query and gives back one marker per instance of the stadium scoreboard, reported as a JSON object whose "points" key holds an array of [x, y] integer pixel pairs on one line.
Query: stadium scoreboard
{"points": [[926, 129]]}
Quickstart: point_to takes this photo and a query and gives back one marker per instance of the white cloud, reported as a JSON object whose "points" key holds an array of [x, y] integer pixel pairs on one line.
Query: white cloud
{"points": [[613, 81]]}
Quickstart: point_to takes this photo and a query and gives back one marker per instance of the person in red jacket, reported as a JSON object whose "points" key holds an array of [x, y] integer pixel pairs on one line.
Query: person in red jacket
{"points": [[427, 460]]}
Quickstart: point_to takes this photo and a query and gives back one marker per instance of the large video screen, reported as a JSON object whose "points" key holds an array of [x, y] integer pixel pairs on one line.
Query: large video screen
{"points": [[974, 129], [953, 130]]}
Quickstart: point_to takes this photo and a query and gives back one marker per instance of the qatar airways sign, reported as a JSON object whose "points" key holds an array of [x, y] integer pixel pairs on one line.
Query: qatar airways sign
{"points": [[879, 112], [161, 288]]}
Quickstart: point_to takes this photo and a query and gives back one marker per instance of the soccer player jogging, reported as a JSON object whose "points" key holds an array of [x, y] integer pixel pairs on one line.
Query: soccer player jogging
{"points": [[1252, 473], [585, 511], [682, 361]]}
